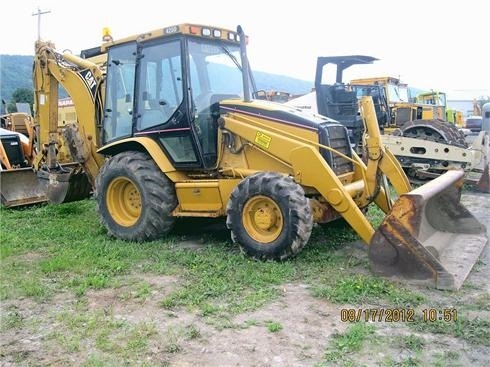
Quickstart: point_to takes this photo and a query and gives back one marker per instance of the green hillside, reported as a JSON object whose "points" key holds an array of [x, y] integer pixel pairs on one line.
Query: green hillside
{"points": [[269, 81], [16, 72]]}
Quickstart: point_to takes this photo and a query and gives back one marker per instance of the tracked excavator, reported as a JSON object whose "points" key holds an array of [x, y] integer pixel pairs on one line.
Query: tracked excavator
{"points": [[424, 143], [174, 140]]}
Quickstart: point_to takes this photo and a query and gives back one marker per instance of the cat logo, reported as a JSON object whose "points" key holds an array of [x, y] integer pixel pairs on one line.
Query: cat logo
{"points": [[90, 80]]}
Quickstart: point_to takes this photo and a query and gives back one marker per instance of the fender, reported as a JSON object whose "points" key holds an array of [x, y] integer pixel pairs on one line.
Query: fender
{"points": [[141, 144]]}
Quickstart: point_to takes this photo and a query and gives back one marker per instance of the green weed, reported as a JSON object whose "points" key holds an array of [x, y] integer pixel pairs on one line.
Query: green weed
{"points": [[341, 346], [273, 326]]}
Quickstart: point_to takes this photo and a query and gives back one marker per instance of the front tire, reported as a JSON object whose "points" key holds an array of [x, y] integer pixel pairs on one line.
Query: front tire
{"points": [[134, 198], [269, 216]]}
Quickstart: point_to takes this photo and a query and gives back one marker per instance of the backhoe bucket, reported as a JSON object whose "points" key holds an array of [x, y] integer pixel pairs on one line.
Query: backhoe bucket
{"points": [[429, 236], [21, 187], [66, 184]]}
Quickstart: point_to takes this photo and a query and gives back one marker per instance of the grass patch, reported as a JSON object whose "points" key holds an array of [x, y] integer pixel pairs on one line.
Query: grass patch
{"points": [[11, 319], [175, 336], [403, 362], [375, 214], [20, 277], [446, 359], [367, 289], [75, 329], [51, 248], [192, 332], [137, 340], [409, 351], [343, 345], [139, 290], [475, 331], [216, 276], [411, 342], [482, 303]]}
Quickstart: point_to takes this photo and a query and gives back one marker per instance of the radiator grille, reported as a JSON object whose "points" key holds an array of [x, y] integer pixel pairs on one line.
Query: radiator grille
{"points": [[336, 137]]}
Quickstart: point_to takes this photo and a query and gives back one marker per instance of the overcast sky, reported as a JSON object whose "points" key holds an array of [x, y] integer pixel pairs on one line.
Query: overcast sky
{"points": [[428, 44]]}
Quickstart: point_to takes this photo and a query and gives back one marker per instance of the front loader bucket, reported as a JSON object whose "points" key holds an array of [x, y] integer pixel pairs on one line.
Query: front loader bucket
{"points": [[429, 236], [21, 187], [65, 184]]}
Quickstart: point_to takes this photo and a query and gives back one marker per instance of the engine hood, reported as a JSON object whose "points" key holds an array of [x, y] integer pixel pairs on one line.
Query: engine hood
{"points": [[277, 112]]}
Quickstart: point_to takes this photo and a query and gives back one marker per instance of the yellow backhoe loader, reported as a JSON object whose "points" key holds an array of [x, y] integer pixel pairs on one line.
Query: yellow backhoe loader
{"points": [[168, 128]]}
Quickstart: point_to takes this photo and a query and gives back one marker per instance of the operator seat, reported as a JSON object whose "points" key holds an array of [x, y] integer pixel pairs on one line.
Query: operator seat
{"points": [[156, 114]]}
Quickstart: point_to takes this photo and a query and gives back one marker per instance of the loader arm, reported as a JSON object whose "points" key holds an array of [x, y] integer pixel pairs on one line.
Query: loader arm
{"points": [[367, 185], [380, 159], [294, 152]]}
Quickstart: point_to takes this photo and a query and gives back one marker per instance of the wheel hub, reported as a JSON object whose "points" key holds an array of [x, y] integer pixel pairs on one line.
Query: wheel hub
{"points": [[262, 219], [124, 201], [265, 218]]}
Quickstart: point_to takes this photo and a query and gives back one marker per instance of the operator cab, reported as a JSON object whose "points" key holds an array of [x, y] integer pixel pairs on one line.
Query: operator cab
{"points": [[167, 88]]}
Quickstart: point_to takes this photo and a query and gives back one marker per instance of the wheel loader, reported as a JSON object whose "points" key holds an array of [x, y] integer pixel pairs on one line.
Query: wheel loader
{"points": [[169, 128]]}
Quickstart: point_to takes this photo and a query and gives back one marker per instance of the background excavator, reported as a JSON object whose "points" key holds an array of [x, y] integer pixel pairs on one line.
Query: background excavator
{"points": [[425, 144], [18, 150], [160, 136]]}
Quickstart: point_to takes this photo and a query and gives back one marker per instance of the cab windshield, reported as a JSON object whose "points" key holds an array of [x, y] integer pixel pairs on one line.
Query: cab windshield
{"points": [[215, 73], [397, 93], [152, 85]]}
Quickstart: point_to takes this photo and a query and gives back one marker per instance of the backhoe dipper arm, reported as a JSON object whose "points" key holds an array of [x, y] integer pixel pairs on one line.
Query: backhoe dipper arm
{"points": [[82, 80]]}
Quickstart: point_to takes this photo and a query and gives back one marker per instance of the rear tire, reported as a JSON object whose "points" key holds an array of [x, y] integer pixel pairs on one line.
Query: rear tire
{"points": [[269, 216], [134, 198]]}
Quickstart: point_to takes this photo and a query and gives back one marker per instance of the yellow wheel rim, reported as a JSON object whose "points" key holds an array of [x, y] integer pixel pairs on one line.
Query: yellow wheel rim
{"points": [[124, 201], [262, 219]]}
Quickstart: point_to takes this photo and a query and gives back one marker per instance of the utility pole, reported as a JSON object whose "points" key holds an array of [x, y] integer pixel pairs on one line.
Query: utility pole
{"points": [[39, 13]]}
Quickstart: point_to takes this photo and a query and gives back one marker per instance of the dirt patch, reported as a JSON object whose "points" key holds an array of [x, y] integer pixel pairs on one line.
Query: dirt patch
{"points": [[306, 323]]}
